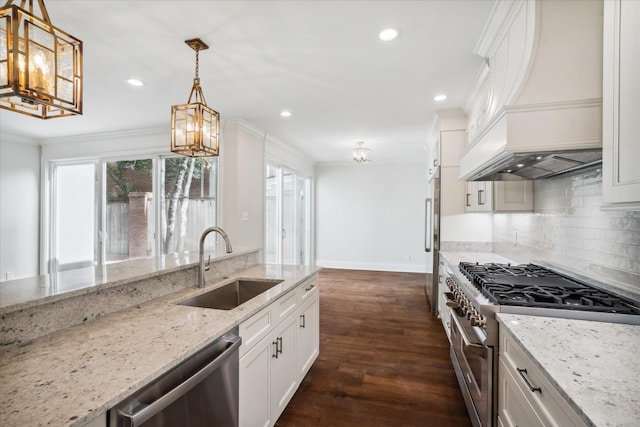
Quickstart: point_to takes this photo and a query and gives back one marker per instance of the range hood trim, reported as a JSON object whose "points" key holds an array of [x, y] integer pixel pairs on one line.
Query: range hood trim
{"points": [[504, 139]]}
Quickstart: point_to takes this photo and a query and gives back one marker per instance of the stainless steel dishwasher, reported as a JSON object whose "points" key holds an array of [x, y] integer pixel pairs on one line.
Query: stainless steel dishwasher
{"points": [[201, 391]]}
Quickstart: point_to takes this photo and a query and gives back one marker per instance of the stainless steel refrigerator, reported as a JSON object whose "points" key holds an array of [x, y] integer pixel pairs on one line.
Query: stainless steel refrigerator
{"points": [[432, 238]]}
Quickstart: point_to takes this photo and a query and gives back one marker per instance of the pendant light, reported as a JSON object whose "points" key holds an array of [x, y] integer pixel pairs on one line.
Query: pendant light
{"points": [[40, 65], [195, 128]]}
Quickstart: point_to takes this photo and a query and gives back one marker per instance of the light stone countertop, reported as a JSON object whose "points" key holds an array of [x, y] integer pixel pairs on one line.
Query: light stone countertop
{"points": [[33, 291], [69, 377], [595, 366]]}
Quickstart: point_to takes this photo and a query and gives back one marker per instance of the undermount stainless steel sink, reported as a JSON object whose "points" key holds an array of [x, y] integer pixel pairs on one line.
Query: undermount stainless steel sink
{"points": [[231, 295]]}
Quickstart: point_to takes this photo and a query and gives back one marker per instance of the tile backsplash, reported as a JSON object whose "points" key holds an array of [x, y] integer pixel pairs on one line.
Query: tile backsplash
{"points": [[568, 229]]}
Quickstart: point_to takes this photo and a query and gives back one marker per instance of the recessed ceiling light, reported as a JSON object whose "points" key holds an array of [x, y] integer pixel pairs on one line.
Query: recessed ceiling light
{"points": [[285, 113], [440, 97], [520, 165], [134, 82], [388, 34]]}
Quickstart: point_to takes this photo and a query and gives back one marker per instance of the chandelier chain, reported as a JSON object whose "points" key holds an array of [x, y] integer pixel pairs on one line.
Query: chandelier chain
{"points": [[197, 62]]}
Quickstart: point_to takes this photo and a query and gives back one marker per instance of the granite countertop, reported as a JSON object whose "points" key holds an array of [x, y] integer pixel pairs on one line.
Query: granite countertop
{"points": [[69, 377], [38, 290], [594, 365]]}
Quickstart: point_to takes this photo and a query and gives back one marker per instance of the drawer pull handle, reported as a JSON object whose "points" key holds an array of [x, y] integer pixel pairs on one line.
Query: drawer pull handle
{"points": [[532, 388], [304, 322], [311, 286]]}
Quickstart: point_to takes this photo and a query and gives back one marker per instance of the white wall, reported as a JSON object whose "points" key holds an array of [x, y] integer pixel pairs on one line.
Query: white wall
{"points": [[242, 183], [371, 217], [19, 207], [281, 154]]}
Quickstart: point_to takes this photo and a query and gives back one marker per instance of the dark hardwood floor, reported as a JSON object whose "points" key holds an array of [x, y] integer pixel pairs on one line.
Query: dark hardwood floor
{"points": [[384, 360]]}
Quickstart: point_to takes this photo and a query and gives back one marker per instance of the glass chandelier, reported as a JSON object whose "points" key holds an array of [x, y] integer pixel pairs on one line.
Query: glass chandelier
{"points": [[195, 128], [40, 65], [360, 154]]}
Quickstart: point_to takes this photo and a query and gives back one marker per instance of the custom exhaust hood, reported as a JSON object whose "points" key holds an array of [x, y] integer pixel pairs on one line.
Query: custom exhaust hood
{"points": [[536, 111]]}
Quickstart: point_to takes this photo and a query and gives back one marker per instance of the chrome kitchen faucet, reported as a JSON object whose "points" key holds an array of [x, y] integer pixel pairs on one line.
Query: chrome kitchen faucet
{"points": [[205, 267]]}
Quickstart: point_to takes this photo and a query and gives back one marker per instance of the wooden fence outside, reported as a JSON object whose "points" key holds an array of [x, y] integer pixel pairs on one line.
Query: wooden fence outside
{"points": [[201, 213]]}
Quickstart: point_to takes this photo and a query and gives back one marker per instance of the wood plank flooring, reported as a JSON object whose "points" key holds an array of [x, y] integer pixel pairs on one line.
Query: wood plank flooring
{"points": [[384, 360]]}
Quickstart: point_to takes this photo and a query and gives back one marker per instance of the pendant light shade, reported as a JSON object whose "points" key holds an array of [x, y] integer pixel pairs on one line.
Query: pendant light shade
{"points": [[40, 65], [195, 127]]}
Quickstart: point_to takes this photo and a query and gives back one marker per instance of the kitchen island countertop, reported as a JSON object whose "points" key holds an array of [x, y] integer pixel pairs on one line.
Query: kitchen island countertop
{"points": [[593, 365], [69, 377]]}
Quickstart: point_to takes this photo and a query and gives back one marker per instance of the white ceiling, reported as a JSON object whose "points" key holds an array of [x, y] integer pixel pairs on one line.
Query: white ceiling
{"points": [[321, 60]]}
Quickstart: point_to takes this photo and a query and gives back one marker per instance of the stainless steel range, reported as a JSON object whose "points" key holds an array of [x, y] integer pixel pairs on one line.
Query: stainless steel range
{"points": [[477, 291]]}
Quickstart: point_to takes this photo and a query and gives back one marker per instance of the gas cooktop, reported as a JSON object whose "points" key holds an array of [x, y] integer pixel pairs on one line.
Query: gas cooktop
{"points": [[531, 285]]}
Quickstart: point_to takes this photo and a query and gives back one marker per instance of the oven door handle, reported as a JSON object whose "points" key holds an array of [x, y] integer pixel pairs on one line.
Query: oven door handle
{"points": [[475, 348]]}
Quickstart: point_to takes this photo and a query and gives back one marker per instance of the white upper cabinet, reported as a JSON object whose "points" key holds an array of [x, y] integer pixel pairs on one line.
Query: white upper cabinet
{"points": [[621, 105], [499, 196]]}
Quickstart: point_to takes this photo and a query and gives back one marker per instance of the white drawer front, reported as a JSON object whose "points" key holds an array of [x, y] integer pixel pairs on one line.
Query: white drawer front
{"points": [[255, 328]]}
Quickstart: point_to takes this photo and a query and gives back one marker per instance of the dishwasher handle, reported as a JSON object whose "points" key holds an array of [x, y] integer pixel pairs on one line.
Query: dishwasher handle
{"points": [[135, 419]]}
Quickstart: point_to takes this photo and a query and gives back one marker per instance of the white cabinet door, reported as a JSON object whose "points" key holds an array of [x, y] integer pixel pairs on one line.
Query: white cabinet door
{"points": [[513, 407], [255, 385], [100, 421], [284, 378], [621, 105], [308, 335], [452, 191], [479, 196], [513, 196]]}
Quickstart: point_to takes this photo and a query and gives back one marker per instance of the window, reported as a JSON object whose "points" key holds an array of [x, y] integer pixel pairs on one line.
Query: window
{"points": [[74, 216], [129, 222], [188, 202], [287, 217], [112, 210]]}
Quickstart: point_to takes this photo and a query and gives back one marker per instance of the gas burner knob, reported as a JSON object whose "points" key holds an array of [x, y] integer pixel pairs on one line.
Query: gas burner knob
{"points": [[478, 320]]}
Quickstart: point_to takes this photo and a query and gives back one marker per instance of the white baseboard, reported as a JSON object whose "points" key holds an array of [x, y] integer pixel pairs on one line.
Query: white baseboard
{"points": [[372, 266]]}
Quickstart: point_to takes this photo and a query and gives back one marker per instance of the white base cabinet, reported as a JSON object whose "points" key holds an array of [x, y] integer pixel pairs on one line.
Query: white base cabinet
{"points": [[525, 397], [308, 335], [279, 352], [255, 386]]}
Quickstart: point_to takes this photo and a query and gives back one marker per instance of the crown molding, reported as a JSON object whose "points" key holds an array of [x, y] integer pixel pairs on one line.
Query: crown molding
{"points": [[17, 139], [244, 125], [102, 136]]}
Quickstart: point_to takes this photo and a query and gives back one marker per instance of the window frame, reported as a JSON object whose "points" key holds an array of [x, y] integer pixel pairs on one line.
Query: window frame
{"points": [[49, 201]]}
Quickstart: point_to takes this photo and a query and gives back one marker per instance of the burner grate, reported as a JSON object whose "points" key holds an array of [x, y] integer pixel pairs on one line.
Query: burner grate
{"points": [[530, 285]]}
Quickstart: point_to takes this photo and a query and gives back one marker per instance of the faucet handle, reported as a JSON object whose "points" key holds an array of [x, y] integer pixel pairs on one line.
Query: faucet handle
{"points": [[207, 265]]}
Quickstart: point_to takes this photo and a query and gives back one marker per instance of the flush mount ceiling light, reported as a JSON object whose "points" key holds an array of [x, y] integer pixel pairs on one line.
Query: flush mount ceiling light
{"points": [[388, 34], [40, 65], [195, 128], [360, 154], [440, 98], [285, 113]]}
